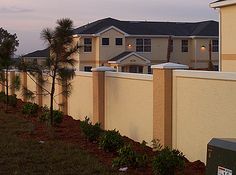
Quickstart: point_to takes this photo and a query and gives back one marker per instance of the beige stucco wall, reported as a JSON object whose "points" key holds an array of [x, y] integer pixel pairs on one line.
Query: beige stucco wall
{"points": [[203, 108], [129, 104], [19, 92], [80, 103], [31, 85], [228, 37], [46, 97]]}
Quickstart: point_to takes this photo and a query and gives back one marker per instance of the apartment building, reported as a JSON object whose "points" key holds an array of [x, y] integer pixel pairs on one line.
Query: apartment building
{"points": [[133, 46], [37, 57], [227, 16]]}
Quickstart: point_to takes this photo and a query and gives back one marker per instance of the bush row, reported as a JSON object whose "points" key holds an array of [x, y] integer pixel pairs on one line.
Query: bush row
{"points": [[12, 100], [32, 110], [165, 162]]}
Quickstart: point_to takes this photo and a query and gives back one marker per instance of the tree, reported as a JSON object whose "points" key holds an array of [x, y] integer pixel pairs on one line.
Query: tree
{"points": [[8, 45], [60, 64]]}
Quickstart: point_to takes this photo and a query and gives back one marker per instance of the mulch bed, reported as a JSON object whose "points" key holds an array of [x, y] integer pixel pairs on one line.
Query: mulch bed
{"points": [[69, 132]]}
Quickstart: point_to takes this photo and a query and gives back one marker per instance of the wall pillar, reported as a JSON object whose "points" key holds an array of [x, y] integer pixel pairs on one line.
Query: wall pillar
{"points": [[39, 91], [12, 77], [24, 83], [162, 101], [99, 94]]}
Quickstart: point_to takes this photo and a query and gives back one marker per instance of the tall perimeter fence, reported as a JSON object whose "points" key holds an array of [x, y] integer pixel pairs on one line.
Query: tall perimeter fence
{"points": [[183, 109]]}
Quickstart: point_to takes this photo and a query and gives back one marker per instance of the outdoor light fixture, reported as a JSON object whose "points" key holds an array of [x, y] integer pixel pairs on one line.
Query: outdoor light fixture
{"points": [[129, 45], [203, 48]]}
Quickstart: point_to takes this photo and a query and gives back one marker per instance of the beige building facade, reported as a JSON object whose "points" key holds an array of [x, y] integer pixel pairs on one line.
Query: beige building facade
{"points": [[227, 16], [134, 46]]}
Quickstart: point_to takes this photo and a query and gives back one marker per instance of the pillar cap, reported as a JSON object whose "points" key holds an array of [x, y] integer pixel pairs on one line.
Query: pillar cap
{"points": [[103, 69], [170, 65]]}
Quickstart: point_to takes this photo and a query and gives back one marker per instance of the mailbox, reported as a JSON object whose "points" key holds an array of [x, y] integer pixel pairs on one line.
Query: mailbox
{"points": [[221, 157]]}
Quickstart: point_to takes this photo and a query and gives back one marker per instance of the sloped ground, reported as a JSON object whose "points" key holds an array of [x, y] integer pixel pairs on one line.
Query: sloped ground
{"points": [[64, 149], [20, 156]]}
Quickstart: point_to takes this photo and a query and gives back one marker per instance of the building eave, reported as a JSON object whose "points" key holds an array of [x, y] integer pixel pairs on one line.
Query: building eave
{"points": [[112, 27], [204, 37], [222, 3], [132, 53]]}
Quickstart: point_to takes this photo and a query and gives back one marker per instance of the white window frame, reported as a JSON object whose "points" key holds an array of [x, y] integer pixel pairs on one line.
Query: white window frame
{"points": [[88, 45], [143, 45], [184, 46]]}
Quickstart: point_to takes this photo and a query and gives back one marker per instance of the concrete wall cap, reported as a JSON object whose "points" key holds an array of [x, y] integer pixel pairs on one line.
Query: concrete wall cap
{"points": [[103, 69], [170, 65]]}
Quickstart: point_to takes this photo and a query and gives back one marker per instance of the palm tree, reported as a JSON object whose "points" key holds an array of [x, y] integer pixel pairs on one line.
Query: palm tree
{"points": [[60, 64]]}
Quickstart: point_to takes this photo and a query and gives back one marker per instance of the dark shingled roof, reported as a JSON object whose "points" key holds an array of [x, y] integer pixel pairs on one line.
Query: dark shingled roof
{"points": [[122, 55], [205, 28], [38, 53], [218, 1]]}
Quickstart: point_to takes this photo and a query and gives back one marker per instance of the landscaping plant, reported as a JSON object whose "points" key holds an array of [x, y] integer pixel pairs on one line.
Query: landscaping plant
{"points": [[167, 161], [156, 145], [127, 157], [59, 68], [30, 109], [111, 141], [92, 132], [12, 100], [45, 117]]}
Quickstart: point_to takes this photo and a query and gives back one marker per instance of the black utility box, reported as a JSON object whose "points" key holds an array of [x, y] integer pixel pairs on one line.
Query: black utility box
{"points": [[221, 157]]}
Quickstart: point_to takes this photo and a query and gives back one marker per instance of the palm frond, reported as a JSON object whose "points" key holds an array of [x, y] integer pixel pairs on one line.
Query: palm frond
{"points": [[16, 83], [29, 95], [66, 74], [47, 35]]}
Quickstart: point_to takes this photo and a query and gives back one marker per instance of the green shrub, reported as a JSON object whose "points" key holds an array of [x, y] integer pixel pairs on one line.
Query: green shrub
{"points": [[111, 141], [30, 109], [167, 161], [2, 96], [92, 132], [156, 145], [128, 157], [12, 100], [57, 116], [45, 117]]}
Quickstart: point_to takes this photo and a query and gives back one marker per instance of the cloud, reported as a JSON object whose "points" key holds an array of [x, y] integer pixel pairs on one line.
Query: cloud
{"points": [[12, 9]]}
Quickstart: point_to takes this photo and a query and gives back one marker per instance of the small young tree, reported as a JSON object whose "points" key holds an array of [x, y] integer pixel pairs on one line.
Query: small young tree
{"points": [[8, 45], [60, 64]]}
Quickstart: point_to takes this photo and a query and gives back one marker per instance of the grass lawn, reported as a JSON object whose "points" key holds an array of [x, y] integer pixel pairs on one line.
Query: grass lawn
{"points": [[25, 157]]}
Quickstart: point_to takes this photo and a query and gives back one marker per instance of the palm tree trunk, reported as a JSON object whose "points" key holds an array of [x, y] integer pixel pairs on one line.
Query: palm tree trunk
{"points": [[51, 97], [7, 89]]}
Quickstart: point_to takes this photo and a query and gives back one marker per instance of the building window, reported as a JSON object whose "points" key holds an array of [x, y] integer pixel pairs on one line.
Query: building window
{"points": [[143, 45], [87, 68], [119, 41], [184, 45], [215, 46], [105, 41], [87, 44]]}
